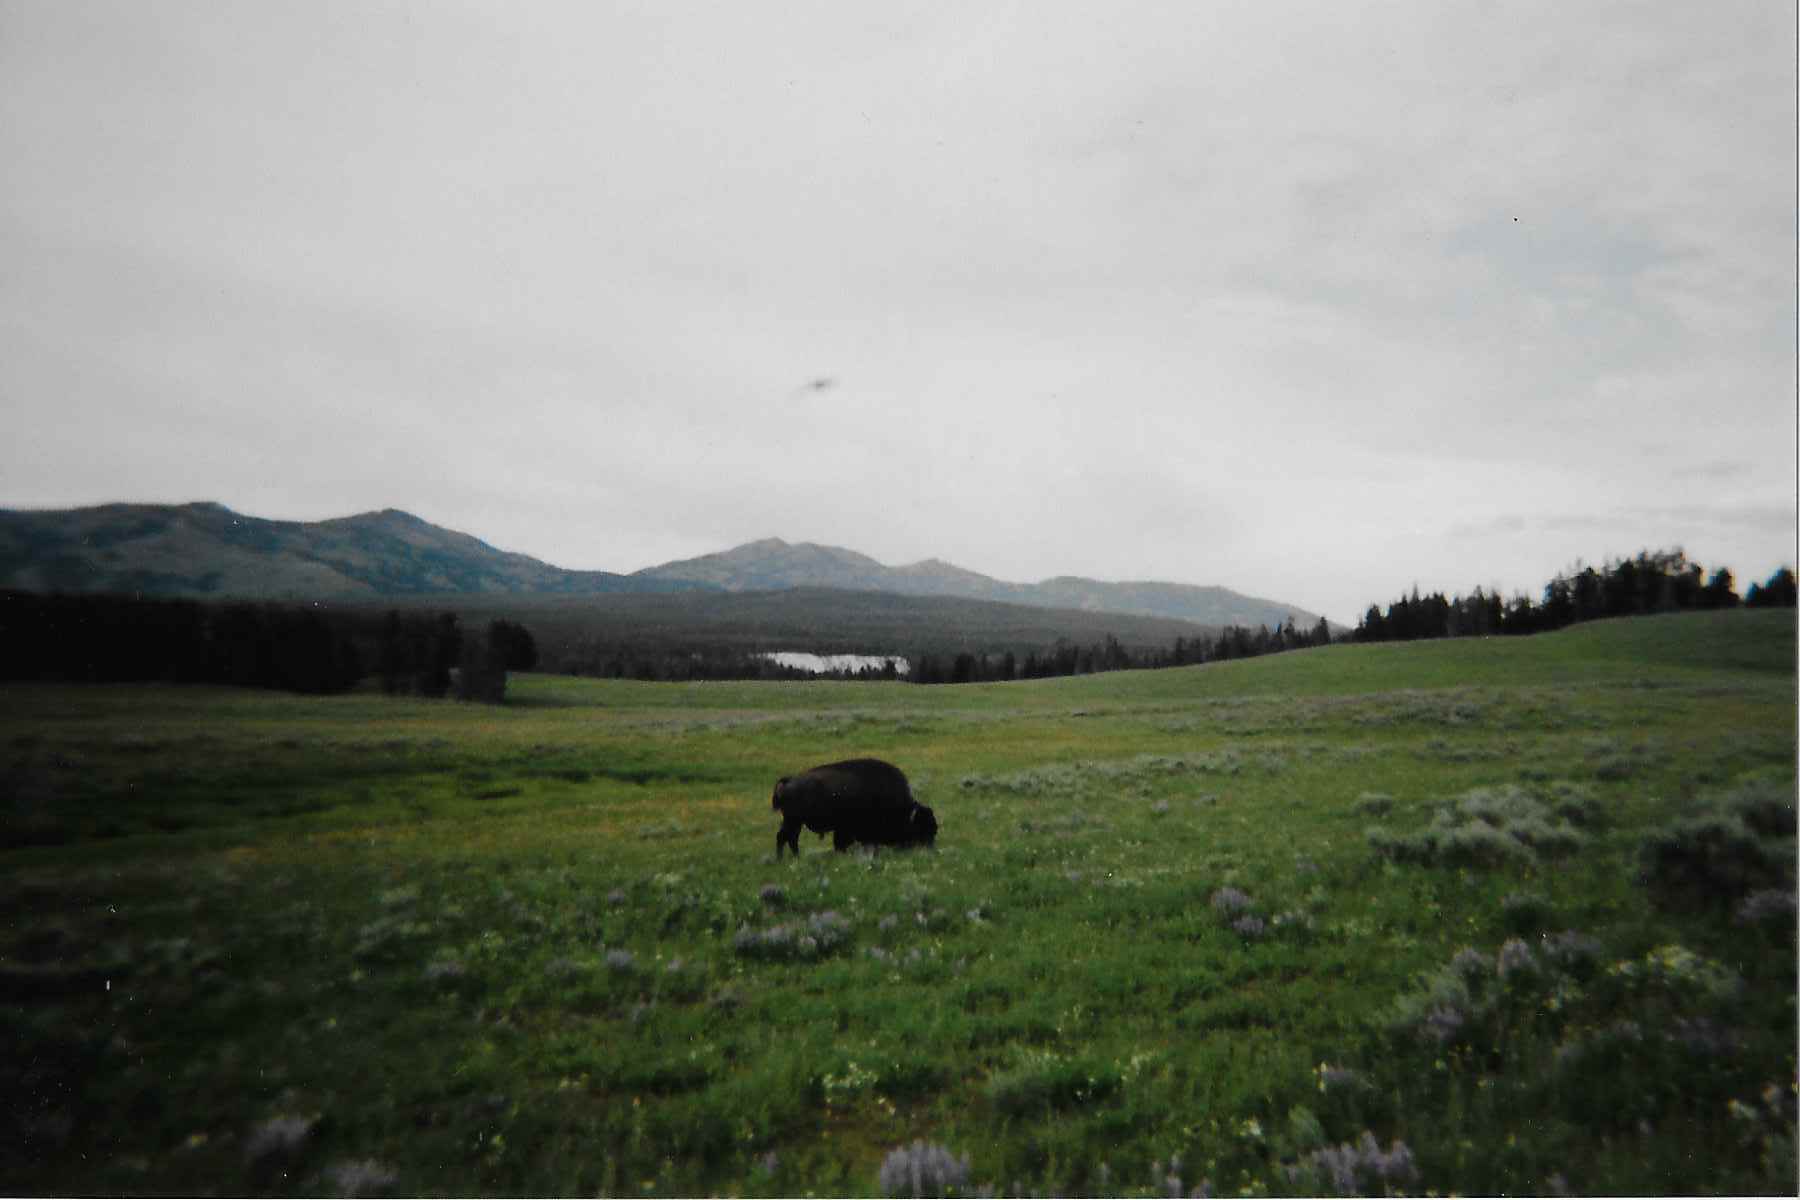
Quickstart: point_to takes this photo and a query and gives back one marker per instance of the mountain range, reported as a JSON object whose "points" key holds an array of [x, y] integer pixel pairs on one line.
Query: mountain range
{"points": [[206, 549]]}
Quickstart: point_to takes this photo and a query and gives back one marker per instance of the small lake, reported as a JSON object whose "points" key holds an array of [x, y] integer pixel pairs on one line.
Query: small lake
{"points": [[819, 664]]}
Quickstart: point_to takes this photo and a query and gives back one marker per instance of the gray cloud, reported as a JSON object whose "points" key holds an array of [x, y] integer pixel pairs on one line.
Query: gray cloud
{"points": [[1311, 300]]}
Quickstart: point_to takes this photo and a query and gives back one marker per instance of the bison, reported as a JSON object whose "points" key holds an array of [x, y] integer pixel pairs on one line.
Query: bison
{"points": [[860, 800]]}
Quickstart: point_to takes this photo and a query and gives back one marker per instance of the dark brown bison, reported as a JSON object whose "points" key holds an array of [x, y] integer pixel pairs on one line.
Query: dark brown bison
{"points": [[860, 800]]}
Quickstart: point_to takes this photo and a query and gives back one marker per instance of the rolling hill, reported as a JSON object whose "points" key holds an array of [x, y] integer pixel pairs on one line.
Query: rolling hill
{"points": [[206, 549]]}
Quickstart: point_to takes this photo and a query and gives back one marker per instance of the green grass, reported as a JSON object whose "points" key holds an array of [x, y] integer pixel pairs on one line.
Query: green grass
{"points": [[547, 948]]}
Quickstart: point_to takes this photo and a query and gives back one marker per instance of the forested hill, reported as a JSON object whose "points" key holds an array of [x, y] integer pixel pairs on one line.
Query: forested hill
{"points": [[207, 550]]}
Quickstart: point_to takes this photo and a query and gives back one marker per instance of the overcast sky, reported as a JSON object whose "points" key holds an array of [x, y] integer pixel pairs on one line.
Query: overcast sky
{"points": [[1312, 301]]}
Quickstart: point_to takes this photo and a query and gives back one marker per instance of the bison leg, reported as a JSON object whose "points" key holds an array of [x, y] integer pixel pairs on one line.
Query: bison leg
{"points": [[788, 835], [841, 841]]}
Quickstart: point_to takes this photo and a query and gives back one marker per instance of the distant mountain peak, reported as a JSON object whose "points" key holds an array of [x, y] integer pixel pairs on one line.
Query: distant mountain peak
{"points": [[775, 565]]}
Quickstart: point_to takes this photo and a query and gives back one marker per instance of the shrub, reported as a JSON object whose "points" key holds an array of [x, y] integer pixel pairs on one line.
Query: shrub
{"points": [[818, 935], [1515, 959], [278, 1141], [1484, 827], [1766, 807], [1049, 1082], [1476, 845], [1575, 803], [360, 1177], [1525, 912], [1772, 906], [1571, 952], [1471, 965], [1710, 861]]}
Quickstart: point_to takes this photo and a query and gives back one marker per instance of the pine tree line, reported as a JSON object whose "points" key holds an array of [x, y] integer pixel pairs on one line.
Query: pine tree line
{"points": [[1652, 582], [109, 638], [1066, 658]]}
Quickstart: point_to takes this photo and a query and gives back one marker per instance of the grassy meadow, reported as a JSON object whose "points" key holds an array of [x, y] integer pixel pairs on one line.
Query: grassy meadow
{"points": [[1470, 916]]}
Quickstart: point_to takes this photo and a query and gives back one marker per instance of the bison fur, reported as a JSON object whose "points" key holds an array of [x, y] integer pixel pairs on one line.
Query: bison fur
{"points": [[859, 800]]}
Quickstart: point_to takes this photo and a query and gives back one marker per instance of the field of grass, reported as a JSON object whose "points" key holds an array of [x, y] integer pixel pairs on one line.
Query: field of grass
{"points": [[1478, 916]]}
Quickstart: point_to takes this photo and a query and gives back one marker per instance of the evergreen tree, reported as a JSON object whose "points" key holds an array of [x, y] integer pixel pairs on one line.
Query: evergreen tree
{"points": [[1778, 592], [481, 670], [517, 648], [1720, 591]]}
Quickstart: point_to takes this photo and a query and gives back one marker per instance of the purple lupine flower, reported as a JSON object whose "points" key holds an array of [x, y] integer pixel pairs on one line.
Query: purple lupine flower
{"points": [[1229, 900], [923, 1169]]}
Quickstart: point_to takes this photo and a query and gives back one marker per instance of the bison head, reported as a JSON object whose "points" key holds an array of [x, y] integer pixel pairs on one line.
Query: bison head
{"points": [[921, 825], [780, 786]]}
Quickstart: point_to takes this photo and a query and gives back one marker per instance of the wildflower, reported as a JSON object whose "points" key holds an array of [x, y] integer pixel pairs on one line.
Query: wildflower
{"points": [[620, 962], [1349, 1169], [772, 894], [923, 1169], [616, 897], [1249, 926], [1229, 900]]}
